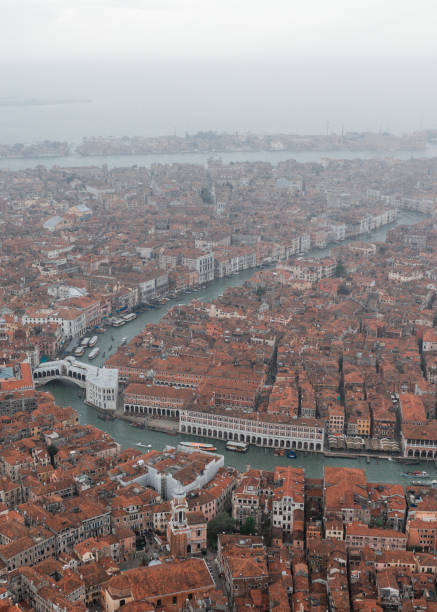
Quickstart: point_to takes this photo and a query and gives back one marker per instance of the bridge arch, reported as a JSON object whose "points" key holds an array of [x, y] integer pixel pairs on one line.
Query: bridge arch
{"points": [[64, 370]]}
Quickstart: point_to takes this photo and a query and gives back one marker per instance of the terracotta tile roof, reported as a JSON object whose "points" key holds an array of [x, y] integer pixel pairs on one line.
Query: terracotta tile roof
{"points": [[159, 580]]}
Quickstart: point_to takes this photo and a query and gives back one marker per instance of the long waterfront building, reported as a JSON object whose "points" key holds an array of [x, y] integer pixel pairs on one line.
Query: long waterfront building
{"points": [[299, 433]]}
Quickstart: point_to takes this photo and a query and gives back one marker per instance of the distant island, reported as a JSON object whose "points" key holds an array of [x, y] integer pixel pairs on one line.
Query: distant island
{"points": [[215, 142], [46, 148]]}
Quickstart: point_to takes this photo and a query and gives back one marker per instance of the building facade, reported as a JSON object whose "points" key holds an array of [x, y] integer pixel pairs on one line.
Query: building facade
{"points": [[300, 434]]}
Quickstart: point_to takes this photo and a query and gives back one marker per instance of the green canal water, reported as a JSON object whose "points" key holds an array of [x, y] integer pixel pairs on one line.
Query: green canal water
{"points": [[128, 436]]}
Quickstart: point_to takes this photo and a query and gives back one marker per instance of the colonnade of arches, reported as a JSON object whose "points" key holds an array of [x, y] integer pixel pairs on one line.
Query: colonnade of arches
{"points": [[52, 372], [251, 439], [150, 410], [423, 454]]}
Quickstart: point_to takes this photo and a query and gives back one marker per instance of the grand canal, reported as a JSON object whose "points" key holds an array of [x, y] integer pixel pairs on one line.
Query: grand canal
{"points": [[126, 435]]}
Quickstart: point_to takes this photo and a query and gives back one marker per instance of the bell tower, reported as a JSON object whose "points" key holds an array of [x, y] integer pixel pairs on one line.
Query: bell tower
{"points": [[178, 531], [179, 508]]}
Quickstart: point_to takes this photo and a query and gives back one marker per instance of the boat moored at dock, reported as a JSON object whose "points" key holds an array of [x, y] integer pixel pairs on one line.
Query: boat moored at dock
{"points": [[93, 341]]}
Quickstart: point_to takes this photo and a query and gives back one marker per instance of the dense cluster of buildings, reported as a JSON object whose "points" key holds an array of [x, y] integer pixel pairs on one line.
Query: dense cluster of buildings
{"points": [[343, 360], [107, 241], [86, 525], [335, 354], [314, 353]]}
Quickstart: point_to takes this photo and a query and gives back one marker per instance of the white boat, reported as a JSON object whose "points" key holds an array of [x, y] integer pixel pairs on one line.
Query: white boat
{"points": [[198, 446], [79, 351], [117, 322], [94, 353], [123, 341], [85, 341], [239, 447], [129, 317], [144, 445], [93, 341]]}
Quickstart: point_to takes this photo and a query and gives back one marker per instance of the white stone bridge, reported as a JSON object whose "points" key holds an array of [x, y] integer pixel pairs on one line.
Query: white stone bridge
{"points": [[68, 369], [101, 384]]}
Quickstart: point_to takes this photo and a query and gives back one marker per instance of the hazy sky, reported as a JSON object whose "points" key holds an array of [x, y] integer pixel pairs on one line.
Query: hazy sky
{"points": [[217, 29], [158, 66]]}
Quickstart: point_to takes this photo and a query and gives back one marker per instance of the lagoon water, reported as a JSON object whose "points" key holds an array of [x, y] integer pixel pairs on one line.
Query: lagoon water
{"points": [[301, 94]]}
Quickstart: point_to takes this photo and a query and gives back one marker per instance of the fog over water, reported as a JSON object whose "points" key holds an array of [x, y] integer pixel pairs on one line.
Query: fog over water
{"points": [[162, 97]]}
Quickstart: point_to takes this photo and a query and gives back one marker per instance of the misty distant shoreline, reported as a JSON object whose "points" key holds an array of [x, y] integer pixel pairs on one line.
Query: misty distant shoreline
{"points": [[215, 143]]}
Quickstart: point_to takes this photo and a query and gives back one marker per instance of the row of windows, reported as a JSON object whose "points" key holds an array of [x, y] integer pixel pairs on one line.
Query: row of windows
{"points": [[260, 431], [223, 420], [246, 501]]}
